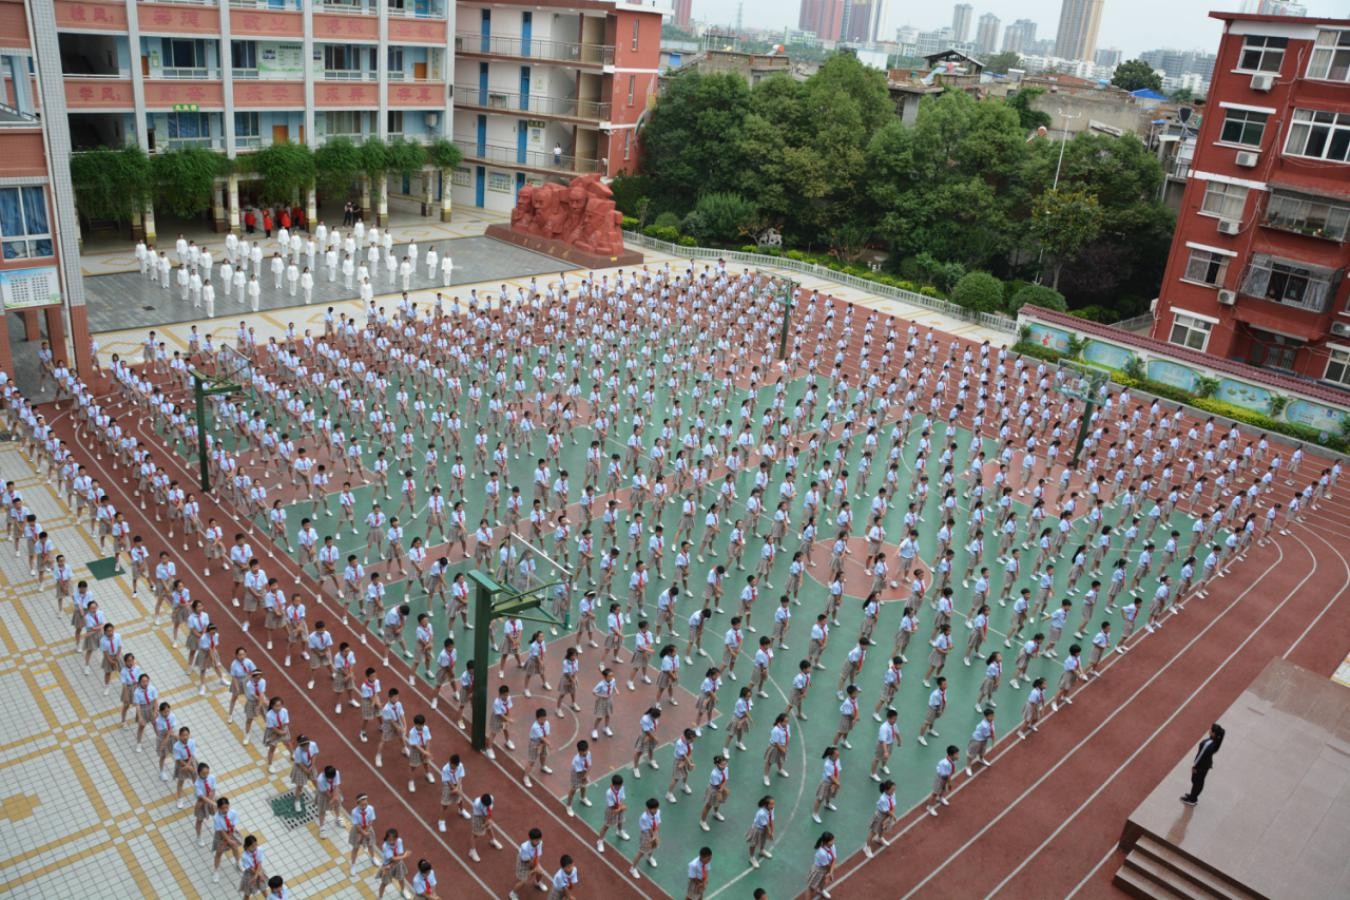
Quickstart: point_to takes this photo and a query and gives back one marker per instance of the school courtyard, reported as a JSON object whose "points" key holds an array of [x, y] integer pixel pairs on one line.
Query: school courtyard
{"points": [[85, 813]]}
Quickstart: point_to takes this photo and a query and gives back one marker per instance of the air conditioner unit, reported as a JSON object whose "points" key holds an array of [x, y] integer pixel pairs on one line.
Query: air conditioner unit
{"points": [[1153, 305], [1340, 329], [1263, 82], [1227, 298], [1228, 226], [1248, 159]]}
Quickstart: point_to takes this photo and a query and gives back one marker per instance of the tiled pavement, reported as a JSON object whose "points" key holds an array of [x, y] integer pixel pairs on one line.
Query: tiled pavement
{"points": [[81, 814]]}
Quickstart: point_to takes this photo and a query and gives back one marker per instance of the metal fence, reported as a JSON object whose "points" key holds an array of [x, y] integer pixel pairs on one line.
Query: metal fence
{"points": [[995, 321]]}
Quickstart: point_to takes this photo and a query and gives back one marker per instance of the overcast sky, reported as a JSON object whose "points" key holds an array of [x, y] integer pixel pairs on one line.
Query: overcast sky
{"points": [[1130, 25]]}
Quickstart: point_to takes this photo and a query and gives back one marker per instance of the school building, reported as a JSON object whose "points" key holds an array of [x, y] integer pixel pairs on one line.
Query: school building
{"points": [[528, 91], [1257, 270]]}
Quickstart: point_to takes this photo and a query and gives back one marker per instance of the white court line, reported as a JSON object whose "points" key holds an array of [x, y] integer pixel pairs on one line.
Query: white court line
{"points": [[1087, 738], [1334, 597], [1064, 823]]}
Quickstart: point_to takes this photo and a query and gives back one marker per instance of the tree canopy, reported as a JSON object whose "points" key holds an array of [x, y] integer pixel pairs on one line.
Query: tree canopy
{"points": [[969, 188], [1135, 74]]}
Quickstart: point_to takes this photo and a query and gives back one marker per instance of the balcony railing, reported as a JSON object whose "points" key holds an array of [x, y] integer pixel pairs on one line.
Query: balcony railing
{"points": [[541, 105], [534, 159], [183, 143], [559, 51], [250, 142], [202, 73], [349, 75]]}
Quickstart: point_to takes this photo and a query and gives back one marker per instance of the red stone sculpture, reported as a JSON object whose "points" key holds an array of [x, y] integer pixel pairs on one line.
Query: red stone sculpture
{"points": [[582, 214]]}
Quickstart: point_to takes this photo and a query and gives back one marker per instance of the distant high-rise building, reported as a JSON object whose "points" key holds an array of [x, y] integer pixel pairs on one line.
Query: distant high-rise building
{"points": [[683, 10], [1018, 36], [1107, 57], [861, 20], [1079, 21], [823, 18], [962, 13], [1176, 63], [906, 34], [986, 35]]}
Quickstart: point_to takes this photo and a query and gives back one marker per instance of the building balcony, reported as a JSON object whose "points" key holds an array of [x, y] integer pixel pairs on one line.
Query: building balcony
{"points": [[161, 93], [536, 106], [349, 75], [267, 4], [566, 53], [541, 162], [408, 10]]}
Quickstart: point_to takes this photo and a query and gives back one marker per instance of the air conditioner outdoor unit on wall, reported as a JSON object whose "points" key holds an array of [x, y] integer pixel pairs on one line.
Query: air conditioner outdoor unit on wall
{"points": [[1340, 329], [1248, 159], [1228, 226], [1263, 82], [1227, 298]]}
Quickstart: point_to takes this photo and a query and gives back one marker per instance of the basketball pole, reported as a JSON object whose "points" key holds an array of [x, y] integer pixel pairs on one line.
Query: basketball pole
{"points": [[201, 392], [486, 610], [788, 296], [1089, 407]]}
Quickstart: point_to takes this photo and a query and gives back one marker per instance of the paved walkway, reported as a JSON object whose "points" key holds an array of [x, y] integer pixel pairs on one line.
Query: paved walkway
{"points": [[83, 815]]}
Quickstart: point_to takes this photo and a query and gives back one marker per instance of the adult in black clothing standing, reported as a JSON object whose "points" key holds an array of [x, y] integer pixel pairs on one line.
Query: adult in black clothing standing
{"points": [[1204, 761]]}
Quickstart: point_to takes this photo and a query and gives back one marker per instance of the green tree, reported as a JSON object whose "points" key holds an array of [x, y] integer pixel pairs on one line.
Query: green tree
{"points": [[1182, 95], [1002, 62], [111, 185], [286, 170], [1135, 74], [406, 157], [337, 165], [979, 291], [1037, 295], [185, 179], [720, 217], [1021, 102], [1065, 222], [688, 145]]}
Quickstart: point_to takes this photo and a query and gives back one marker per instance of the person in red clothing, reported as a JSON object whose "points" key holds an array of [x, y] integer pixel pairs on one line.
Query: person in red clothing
{"points": [[267, 222], [298, 216], [286, 219], [250, 221]]}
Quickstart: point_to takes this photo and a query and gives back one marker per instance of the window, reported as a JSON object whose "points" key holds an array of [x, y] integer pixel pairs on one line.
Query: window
{"points": [[1262, 54], [244, 54], [499, 181], [188, 125], [635, 33], [346, 57], [627, 142], [245, 124], [1308, 215], [395, 59], [344, 121], [632, 88], [1243, 126], [394, 121], [461, 177], [1338, 367], [184, 54], [1224, 200], [1206, 267], [24, 228], [1290, 283], [1188, 331], [1320, 135], [1331, 56]]}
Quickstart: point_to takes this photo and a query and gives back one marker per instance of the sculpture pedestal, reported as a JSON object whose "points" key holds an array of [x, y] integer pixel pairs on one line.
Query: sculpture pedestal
{"points": [[561, 250]]}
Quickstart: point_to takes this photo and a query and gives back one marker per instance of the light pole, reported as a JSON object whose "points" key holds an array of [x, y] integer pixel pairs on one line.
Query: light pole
{"points": [[1063, 141]]}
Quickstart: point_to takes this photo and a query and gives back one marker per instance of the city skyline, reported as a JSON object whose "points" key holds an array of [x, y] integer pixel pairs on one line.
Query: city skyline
{"points": [[1131, 26]]}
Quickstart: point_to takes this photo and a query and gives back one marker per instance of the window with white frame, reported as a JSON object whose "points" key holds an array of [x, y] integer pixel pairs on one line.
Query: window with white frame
{"points": [[1319, 135], [1312, 216], [635, 34], [1205, 267], [499, 181], [461, 177], [1243, 126], [245, 124], [1262, 54], [1224, 200], [1190, 331], [1338, 366], [1331, 56], [25, 229]]}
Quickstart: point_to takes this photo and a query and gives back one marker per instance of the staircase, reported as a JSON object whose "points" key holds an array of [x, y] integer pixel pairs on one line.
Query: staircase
{"points": [[1156, 871]]}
